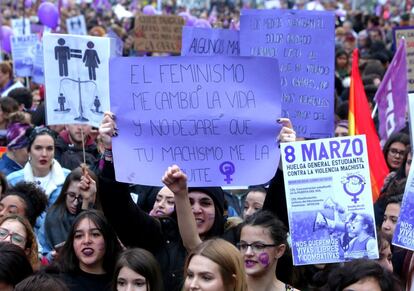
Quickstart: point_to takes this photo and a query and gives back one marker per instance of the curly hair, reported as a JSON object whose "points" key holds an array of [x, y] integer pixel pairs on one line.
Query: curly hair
{"points": [[34, 198]]}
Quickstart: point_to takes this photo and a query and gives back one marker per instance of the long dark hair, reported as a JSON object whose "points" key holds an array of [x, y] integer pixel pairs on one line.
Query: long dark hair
{"points": [[142, 262], [396, 137], [74, 176], [69, 263]]}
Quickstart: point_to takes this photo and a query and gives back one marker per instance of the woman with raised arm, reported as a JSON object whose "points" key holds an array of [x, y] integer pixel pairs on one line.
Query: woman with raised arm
{"points": [[136, 228]]}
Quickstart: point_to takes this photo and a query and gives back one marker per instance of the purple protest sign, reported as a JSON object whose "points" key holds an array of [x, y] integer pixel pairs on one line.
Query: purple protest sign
{"points": [[392, 94], [303, 42], [213, 117], [209, 42], [404, 230]]}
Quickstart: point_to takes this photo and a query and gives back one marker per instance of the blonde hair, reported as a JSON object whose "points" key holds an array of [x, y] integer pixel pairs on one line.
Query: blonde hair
{"points": [[31, 242], [229, 259]]}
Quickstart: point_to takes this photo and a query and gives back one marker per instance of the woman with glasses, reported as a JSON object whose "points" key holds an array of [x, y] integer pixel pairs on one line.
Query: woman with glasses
{"points": [[17, 230], [359, 240], [78, 193], [263, 241], [395, 150], [43, 170]]}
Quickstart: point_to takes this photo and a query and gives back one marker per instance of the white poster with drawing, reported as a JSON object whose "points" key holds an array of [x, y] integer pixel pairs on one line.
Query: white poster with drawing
{"points": [[76, 25], [76, 78], [20, 26]]}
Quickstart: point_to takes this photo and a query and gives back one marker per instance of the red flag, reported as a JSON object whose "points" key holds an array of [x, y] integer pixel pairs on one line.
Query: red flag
{"points": [[360, 122]]}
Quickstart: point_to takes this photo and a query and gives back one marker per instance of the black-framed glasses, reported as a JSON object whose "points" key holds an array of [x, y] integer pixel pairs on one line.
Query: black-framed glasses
{"points": [[15, 238], [255, 246], [395, 152], [72, 197]]}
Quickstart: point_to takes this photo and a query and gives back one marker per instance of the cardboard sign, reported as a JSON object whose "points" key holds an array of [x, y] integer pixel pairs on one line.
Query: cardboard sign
{"points": [[213, 117], [329, 201], [158, 33], [408, 33], [303, 43], [76, 78]]}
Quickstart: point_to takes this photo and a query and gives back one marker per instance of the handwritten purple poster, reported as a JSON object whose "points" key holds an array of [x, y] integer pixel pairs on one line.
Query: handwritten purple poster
{"points": [[213, 117], [304, 44], [209, 42]]}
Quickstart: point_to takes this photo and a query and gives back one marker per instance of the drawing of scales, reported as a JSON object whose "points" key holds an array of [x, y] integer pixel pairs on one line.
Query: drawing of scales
{"points": [[86, 89]]}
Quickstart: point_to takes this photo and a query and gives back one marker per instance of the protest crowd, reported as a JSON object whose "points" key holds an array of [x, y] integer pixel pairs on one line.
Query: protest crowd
{"points": [[67, 223]]}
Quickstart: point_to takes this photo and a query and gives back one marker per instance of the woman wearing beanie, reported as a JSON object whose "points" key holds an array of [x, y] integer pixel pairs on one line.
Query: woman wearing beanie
{"points": [[160, 236], [16, 156], [43, 170]]}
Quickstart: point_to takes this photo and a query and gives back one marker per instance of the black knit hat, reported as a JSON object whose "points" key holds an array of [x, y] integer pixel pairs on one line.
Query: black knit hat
{"points": [[215, 193]]}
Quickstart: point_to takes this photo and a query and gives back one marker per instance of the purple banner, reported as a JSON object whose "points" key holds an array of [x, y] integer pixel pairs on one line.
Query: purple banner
{"points": [[404, 230], [303, 42], [213, 117], [391, 96], [209, 42]]}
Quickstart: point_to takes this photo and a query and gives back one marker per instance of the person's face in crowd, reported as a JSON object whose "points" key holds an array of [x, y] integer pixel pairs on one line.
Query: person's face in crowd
{"points": [[203, 210], [12, 204], [341, 131], [21, 155], [357, 225], [164, 203], [349, 46], [365, 284], [129, 280], [395, 155], [4, 79], [89, 246], [262, 253], [362, 41], [75, 132], [36, 99], [392, 211], [408, 164], [385, 256], [375, 35], [203, 274], [42, 152], [14, 232], [342, 62], [253, 203], [72, 197]]}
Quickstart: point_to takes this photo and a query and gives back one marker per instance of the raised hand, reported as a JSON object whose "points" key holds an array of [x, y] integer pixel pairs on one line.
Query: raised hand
{"points": [[108, 129], [176, 181]]}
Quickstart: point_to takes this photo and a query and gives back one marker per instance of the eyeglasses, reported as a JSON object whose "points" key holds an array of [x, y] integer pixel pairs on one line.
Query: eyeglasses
{"points": [[16, 238], [395, 152], [72, 197], [256, 246]]}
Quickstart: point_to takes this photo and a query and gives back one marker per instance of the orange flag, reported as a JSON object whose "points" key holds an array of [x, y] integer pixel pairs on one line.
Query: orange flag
{"points": [[360, 122]]}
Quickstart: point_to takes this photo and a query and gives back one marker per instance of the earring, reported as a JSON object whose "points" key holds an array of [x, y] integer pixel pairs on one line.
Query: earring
{"points": [[29, 158]]}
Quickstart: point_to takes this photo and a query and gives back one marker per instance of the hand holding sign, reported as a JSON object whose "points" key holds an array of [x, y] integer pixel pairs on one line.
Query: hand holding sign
{"points": [[287, 134], [176, 181], [107, 129]]}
